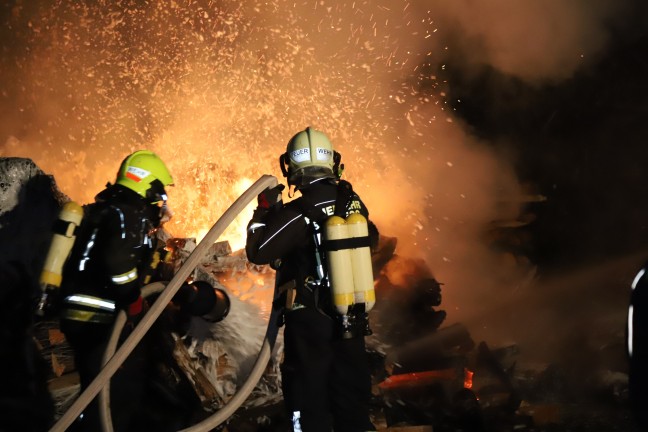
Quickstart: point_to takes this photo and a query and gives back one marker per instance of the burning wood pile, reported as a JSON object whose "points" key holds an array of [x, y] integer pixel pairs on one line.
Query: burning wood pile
{"points": [[226, 350], [428, 373]]}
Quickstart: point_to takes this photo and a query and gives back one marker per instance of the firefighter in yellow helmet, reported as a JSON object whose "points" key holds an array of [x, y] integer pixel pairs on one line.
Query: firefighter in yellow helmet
{"points": [[107, 267], [325, 373]]}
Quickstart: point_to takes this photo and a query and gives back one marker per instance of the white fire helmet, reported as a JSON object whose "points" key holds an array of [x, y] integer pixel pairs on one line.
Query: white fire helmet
{"points": [[309, 156]]}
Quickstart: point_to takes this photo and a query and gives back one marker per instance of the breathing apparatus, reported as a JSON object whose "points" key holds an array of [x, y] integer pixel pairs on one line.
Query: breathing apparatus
{"points": [[350, 270], [342, 253], [51, 276]]}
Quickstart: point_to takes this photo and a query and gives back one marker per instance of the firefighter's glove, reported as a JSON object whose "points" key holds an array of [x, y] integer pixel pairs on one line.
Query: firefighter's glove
{"points": [[270, 197], [135, 312]]}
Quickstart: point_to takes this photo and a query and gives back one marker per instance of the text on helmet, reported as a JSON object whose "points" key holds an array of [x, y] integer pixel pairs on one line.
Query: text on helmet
{"points": [[324, 154], [300, 155], [136, 174]]}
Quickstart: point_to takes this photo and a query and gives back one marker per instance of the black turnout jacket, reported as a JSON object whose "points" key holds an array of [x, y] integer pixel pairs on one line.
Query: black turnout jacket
{"points": [[283, 237], [111, 255]]}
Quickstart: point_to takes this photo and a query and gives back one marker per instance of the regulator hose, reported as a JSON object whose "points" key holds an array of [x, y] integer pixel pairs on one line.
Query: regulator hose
{"points": [[265, 181]]}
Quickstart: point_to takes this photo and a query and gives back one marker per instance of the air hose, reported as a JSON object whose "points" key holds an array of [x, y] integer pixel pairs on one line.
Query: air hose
{"points": [[265, 181]]}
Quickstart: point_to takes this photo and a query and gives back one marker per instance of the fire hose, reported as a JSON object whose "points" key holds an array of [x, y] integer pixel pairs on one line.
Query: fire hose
{"points": [[120, 322], [109, 369]]}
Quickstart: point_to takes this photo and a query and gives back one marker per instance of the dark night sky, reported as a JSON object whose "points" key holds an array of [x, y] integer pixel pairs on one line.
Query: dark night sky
{"points": [[581, 143]]}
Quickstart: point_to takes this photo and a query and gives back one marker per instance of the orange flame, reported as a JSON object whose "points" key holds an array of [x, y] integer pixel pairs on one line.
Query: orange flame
{"points": [[250, 286], [235, 233]]}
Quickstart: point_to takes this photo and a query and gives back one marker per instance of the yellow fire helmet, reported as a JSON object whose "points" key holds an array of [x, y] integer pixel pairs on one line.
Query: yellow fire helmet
{"points": [[139, 172], [309, 155]]}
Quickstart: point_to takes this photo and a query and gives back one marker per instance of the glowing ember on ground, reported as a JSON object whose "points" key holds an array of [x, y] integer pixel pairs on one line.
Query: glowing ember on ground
{"points": [[417, 379]]}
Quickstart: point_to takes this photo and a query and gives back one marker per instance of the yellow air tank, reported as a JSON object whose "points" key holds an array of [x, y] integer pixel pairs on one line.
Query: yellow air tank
{"points": [[361, 262], [339, 263], [62, 241]]}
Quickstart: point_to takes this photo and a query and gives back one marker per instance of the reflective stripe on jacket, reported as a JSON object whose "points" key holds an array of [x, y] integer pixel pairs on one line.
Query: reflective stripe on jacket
{"points": [[85, 308]]}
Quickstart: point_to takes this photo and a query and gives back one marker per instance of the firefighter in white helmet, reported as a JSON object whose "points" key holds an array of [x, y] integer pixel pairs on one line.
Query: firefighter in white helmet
{"points": [[108, 265], [325, 373]]}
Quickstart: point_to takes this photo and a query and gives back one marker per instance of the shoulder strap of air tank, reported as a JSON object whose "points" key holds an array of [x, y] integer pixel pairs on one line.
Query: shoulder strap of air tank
{"points": [[344, 196]]}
